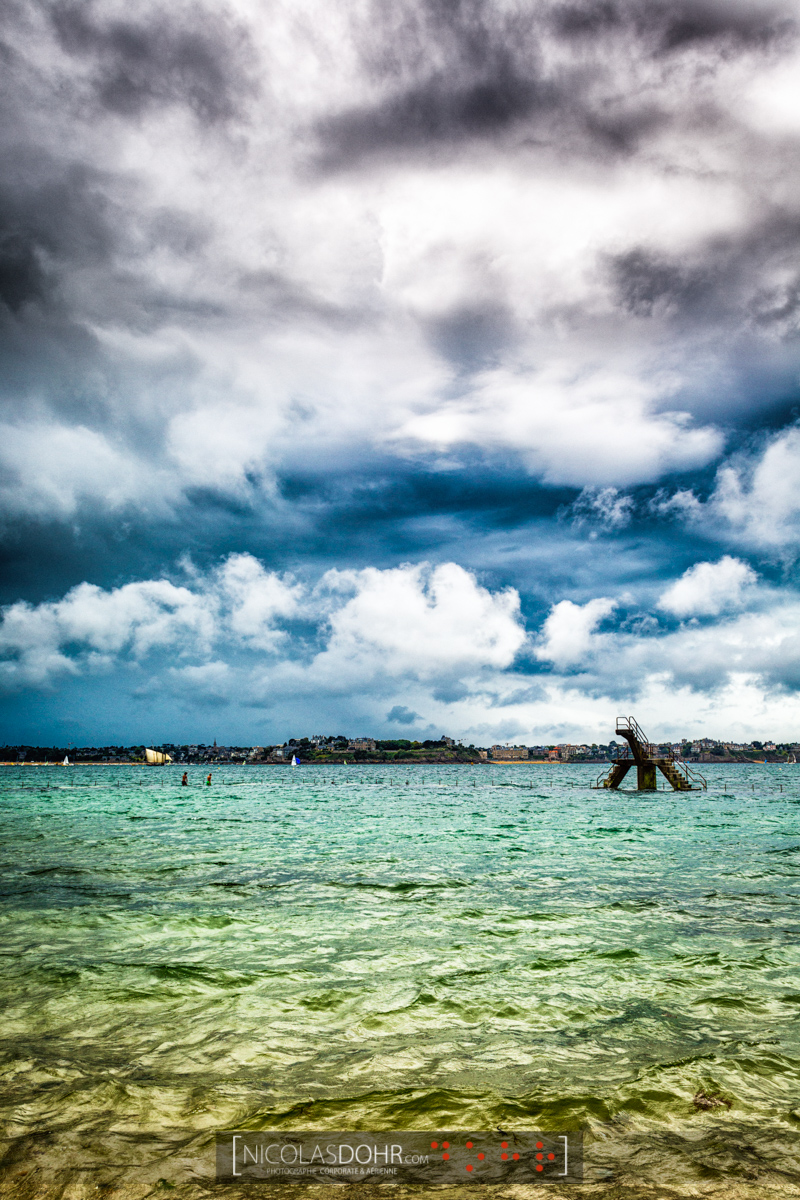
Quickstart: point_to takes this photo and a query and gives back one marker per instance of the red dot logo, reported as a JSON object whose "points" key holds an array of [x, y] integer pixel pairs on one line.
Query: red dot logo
{"points": [[481, 1156], [469, 1166], [434, 1145], [445, 1157], [469, 1145]]}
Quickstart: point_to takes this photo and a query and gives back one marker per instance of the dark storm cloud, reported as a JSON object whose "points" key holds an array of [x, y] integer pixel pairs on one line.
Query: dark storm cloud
{"points": [[738, 293], [645, 282], [55, 218], [249, 368], [459, 75], [738, 25], [51, 213], [192, 56], [672, 26], [22, 278], [435, 112], [464, 70], [722, 277]]}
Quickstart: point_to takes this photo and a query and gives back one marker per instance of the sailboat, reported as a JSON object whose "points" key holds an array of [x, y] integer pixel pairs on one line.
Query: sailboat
{"points": [[66, 762], [294, 760], [157, 757]]}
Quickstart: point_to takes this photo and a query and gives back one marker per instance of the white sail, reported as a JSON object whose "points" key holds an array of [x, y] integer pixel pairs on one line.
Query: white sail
{"points": [[157, 757], [66, 762], [294, 760]]}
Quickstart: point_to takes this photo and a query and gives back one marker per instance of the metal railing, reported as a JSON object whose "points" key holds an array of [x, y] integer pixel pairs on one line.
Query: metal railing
{"points": [[693, 778], [651, 750], [631, 725]]}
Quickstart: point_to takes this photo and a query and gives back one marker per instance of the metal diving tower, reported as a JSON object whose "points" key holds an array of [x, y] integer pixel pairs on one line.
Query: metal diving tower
{"points": [[647, 759]]}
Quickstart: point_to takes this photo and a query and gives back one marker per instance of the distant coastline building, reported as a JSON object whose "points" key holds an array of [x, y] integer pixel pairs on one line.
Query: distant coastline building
{"points": [[362, 743], [509, 753]]}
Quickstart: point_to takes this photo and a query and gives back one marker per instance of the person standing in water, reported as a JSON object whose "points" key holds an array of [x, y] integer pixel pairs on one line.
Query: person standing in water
{"points": [[208, 782], [185, 780]]}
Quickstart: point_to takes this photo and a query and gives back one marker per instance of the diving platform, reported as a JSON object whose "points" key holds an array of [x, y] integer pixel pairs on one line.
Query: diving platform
{"points": [[648, 761]]}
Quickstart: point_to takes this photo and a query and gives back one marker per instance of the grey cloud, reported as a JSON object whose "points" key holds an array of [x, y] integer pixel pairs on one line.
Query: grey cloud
{"points": [[645, 283], [450, 693], [452, 71], [196, 57], [55, 219], [402, 715], [474, 335], [672, 26], [585, 20], [729, 307], [722, 276], [457, 72], [693, 23], [50, 211], [432, 112], [22, 279]]}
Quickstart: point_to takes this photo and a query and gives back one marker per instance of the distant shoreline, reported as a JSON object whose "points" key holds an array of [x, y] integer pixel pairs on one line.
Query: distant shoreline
{"points": [[403, 762]]}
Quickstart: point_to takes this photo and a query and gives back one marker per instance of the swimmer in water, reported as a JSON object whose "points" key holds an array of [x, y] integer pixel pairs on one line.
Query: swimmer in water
{"points": [[208, 782], [185, 780]]}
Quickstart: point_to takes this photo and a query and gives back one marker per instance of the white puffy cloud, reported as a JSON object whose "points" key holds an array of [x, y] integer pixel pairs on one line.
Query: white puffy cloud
{"points": [[708, 589], [426, 646], [137, 619], [53, 469], [758, 502], [759, 649], [255, 599], [91, 627], [568, 634], [576, 427], [419, 621], [755, 501]]}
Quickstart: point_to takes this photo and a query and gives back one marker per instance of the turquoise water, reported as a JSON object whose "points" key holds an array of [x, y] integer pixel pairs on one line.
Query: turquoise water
{"points": [[367, 947]]}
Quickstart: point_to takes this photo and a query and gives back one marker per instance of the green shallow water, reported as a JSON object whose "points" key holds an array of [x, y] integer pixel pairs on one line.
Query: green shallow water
{"points": [[366, 947]]}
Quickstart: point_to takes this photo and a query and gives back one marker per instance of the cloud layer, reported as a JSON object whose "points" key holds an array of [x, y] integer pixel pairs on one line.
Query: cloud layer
{"points": [[485, 227], [418, 646], [509, 289]]}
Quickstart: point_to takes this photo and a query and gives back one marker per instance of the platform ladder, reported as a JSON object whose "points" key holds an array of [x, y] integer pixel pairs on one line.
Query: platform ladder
{"points": [[647, 759]]}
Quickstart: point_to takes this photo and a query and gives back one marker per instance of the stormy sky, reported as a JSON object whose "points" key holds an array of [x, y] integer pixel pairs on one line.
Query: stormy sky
{"points": [[399, 368]]}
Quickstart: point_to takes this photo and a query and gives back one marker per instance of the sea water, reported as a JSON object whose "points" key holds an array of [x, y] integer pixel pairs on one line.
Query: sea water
{"points": [[368, 947]]}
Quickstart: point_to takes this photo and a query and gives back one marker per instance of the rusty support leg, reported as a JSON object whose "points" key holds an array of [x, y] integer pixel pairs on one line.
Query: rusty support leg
{"points": [[646, 776], [617, 774]]}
